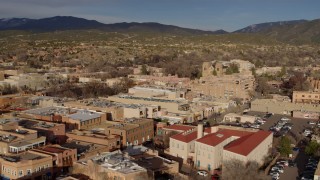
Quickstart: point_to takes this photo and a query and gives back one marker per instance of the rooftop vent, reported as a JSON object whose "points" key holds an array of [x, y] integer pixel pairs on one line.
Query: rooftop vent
{"points": [[219, 135]]}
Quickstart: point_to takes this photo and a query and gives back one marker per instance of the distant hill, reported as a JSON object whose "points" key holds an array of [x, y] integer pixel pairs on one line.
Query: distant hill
{"points": [[301, 33], [10, 23], [297, 31], [255, 28], [60, 23]]}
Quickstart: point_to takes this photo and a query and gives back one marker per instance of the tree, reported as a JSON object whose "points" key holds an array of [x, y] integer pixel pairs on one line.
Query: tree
{"points": [[285, 146], [214, 72], [312, 148], [233, 68], [282, 72], [236, 169], [144, 70]]}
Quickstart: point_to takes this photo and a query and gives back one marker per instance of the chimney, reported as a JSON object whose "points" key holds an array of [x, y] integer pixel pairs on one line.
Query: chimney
{"points": [[200, 131], [214, 129]]}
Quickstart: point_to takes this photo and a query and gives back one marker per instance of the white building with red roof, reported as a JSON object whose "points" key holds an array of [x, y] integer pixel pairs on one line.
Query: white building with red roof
{"points": [[210, 147]]}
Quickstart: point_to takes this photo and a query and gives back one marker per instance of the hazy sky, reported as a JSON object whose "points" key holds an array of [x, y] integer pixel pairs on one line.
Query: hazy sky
{"points": [[201, 14]]}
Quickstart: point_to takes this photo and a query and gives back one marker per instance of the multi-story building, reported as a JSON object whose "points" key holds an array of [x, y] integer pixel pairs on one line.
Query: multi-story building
{"points": [[74, 118], [214, 82], [15, 139], [54, 132], [226, 86], [111, 141], [306, 97], [132, 131], [153, 91], [219, 68], [208, 148], [62, 158], [115, 111], [27, 165], [224, 145]]}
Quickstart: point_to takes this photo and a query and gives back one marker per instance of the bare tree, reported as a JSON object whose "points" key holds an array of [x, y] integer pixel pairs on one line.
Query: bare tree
{"points": [[236, 169]]}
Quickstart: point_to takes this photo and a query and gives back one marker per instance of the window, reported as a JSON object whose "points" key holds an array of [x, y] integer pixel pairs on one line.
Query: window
{"points": [[208, 156], [28, 171], [15, 173], [20, 173]]}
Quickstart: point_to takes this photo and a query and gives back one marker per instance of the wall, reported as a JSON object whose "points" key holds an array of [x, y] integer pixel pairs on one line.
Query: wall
{"points": [[181, 149]]}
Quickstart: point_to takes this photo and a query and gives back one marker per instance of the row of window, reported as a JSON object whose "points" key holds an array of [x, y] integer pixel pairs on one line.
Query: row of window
{"points": [[88, 122], [21, 173]]}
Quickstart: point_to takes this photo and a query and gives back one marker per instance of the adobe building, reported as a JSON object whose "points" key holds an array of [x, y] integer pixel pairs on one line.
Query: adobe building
{"points": [[208, 148], [15, 139], [132, 131], [74, 118], [114, 165], [93, 136], [284, 107], [306, 97], [216, 83], [62, 158], [55, 133], [225, 87], [31, 165]]}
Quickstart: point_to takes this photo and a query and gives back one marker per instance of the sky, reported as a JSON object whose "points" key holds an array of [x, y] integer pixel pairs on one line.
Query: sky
{"points": [[229, 15]]}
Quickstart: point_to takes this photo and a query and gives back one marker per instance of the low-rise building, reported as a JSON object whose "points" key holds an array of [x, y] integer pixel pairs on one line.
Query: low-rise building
{"points": [[62, 158], [232, 117], [27, 165], [306, 97], [55, 133], [74, 118], [112, 165], [282, 107], [111, 141], [15, 139]]}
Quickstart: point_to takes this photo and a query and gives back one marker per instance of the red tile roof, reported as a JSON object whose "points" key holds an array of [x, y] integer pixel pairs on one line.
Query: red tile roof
{"points": [[214, 139], [247, 143], [185, 137], [179, 127]]}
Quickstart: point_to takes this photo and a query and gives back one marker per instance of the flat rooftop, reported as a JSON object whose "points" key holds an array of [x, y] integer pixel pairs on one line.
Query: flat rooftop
{"points": [[26, 156], [48, 111], [84, 115], [148, 99], [115, 161]]}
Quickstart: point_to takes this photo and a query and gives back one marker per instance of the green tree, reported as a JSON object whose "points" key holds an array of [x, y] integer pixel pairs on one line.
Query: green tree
{"points": [[285, 146], [144, 70], [312, 148], [282, 72], [233, 68], [214, 72]]}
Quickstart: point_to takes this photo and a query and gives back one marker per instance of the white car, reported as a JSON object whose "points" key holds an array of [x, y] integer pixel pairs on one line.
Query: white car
{"points": [[311, 123], [202, 173], [285, 119], [277, 169]]}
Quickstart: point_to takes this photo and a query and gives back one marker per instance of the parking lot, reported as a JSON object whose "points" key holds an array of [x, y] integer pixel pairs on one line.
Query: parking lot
{"points": [[298, 156]]}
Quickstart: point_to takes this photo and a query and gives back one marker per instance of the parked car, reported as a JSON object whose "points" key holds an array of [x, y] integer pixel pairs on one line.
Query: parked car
{"points": [[311, 122], [296, 149], [292, 163], [283, 162], [202, 173], [277, 169], [285, 119], [274, 172]]}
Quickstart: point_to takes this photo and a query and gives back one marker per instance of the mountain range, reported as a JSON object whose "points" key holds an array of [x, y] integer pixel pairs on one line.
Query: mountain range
{"points": [[60, 23], [296, 31]]}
